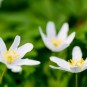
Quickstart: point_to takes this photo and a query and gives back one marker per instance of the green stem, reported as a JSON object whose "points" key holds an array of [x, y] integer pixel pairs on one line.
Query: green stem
{"points": [[76, 80], [2, 75]]}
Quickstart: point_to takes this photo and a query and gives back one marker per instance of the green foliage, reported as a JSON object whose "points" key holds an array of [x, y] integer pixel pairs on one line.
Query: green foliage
{"points": [[23, 17]]}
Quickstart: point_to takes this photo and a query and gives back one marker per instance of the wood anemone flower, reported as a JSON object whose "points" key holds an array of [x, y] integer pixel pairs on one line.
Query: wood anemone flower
{"points": [[75, 65], [57, 42], [12, 58]]}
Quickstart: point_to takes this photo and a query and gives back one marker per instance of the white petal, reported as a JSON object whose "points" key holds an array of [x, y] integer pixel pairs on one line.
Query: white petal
{"points": [[63, 31], [47, 41], [2, 46], [61, 47], [50, 29], [76, 69], [70, 38], [54, 67], [50, 45], [1, 58], [27, 62], [24, 49], [15, 43], [62, 63], [76, 53], [16, 69], [42, 35]]}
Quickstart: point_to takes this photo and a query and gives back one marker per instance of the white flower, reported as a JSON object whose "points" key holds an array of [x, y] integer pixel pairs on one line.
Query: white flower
{"points": [[55, 42], [74, 65], [13, 57]]}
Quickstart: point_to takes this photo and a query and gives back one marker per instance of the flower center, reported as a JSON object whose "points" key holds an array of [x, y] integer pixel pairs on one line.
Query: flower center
{"points": [[10, 56], [56, 42], [76, 63]]}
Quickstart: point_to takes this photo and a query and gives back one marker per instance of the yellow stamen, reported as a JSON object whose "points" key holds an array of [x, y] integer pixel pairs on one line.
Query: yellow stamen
{"points": [[56, 42], [78, 63], [10, 56]]}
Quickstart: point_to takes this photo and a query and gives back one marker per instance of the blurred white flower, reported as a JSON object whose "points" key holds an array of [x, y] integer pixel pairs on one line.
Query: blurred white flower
{"points": [[13, 57], [74, 65], [55, 42]]}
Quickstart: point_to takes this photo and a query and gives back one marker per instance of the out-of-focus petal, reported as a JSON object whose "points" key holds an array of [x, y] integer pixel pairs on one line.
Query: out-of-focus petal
{"points": [[50, 29], [76, 53], [16, 69], [1, 58], [63, 31], [61, 47], [54, 67], [24, 49], [70, 38], [42, 35], [47, 41], [2, 46], [15, 43], [75, 69], [62, 63], [27, 62]]}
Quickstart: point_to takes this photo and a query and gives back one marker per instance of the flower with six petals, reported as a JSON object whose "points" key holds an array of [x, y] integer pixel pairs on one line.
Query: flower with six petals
{"points": [[75, 65], [55, 42], [12, 58]]}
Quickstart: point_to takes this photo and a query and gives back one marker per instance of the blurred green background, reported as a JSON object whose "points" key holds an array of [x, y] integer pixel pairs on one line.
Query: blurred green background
{"points": [[23, 17]]}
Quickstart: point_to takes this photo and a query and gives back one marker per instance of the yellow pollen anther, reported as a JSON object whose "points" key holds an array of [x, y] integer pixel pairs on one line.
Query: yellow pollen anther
{"points": [[10, 56], [78, 63], [56, 42]]}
